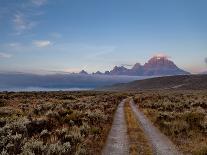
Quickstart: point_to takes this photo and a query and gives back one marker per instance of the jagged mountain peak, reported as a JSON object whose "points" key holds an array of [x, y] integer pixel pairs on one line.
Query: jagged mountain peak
{"points": [[83, 72], [159, 62], [120, 67], [119, 71], [136, 66], [97, 73]]}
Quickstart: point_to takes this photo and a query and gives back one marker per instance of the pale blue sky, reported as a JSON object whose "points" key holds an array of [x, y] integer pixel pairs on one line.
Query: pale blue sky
{"points": [[70, 35]]}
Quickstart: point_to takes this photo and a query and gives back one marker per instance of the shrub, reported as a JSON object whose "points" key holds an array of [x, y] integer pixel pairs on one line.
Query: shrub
{"points": [[36, 126], [84, 129], [2, 102], [96, 116], [75, 116], [81, 150], [41, 109], [44, 135], [64, 112], [59, 149], [6, 111], [19, 126], [204, 124], [52, 115], [33, 147], [4, 152], [15, 143], [10, 142], [73, 136], [194, 118], [2, 122]]}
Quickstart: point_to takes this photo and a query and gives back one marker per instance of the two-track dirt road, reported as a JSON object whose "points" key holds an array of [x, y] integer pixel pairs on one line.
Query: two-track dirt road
{"points": [[118, 143]]}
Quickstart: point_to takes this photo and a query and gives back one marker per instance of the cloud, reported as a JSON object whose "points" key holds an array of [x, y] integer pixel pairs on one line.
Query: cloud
{"points": [[14, 44], [42, 43], [126, 65], [39, 2], [206, 60], [23, 20], [21, 24], [5, 55], [71, 70], [161, 55]]}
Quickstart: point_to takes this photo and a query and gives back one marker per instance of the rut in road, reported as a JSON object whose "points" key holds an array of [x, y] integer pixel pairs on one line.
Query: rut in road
{"points": [[161, 144], [117, 141]]}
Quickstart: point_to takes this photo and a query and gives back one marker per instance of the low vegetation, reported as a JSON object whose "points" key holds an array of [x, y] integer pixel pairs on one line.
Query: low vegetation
{"points": [[181, 115], [137, 139], [61, 123], [55, 123]]}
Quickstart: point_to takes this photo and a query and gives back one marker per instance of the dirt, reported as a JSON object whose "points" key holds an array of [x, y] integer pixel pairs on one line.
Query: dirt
{"points": [[117, 142]]}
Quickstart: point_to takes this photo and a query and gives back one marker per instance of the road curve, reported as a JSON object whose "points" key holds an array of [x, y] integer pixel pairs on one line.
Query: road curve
{"points": [[117, 141], [161, 144]]}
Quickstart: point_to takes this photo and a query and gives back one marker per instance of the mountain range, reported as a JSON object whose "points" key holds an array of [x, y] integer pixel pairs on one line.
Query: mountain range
{"points": [[156, 66]]}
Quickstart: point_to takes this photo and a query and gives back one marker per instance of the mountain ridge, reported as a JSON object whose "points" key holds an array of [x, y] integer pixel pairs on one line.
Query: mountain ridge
{"points": [[156, 66]]}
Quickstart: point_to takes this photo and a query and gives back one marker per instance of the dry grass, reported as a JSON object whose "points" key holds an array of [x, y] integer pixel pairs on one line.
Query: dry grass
{"points": [[138, 141], [181, 115]]}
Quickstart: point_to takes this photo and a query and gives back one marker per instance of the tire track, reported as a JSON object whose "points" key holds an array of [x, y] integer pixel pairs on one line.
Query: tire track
{"points": [[161, 144], [117, 141]]}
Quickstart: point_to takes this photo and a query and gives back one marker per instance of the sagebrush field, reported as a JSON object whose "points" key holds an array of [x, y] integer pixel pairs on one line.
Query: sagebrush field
{"points": [[55, 122], [78, 122], [181, 115]]}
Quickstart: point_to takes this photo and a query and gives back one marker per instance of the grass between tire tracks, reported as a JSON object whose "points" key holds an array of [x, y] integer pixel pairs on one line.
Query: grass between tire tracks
{"points": [[137, 139]]}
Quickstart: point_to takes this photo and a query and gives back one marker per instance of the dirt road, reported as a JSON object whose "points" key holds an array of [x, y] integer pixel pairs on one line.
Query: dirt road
{"points": [[118, 143]]}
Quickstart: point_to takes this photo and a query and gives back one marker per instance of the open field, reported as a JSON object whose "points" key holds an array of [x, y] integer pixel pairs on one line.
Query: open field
{"points": [[181, 115], [79, 122], [56, 122]]}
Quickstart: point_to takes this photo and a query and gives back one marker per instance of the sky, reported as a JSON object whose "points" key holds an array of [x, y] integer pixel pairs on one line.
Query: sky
{"points": [[71, 35]]}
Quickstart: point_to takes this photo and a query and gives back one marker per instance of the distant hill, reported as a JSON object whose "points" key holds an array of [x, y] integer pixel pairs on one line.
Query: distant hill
{"points": [[204, 72], [183, 82], [156, 66]]}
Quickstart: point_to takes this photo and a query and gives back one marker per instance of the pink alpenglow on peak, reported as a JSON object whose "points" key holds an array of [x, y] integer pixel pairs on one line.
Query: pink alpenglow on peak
{"points": [[156, 66]]}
